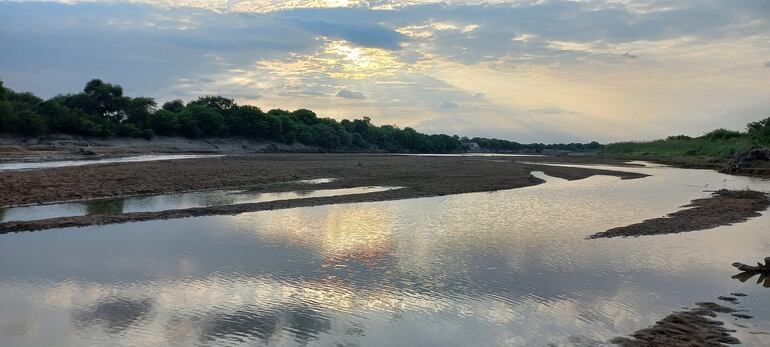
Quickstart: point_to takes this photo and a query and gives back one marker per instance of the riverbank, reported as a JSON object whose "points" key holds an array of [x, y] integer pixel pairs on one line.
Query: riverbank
{"points": [[742, 164], [65, 147]]}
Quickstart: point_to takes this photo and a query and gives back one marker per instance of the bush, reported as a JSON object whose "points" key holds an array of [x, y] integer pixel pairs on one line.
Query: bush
{"points": [[722, 134]]}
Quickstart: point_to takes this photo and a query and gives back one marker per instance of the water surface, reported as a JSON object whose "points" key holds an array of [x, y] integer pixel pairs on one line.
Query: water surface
{"points": [[511, 268]]}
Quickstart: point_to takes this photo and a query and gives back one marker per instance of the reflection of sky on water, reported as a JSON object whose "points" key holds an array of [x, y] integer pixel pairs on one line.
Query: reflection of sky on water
{"points": [[163, 202], [504, 268]]}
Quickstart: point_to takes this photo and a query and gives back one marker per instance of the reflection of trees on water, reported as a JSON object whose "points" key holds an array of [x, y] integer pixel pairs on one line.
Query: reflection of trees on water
{"points": [[305, 192], [104, 206], [115, 314], [2, 214], [253, 322]]}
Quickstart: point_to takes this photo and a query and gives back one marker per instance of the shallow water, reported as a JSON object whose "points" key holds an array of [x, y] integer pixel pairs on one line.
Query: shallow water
{"points": [[176, 201], [133, 159], [510, 267]]}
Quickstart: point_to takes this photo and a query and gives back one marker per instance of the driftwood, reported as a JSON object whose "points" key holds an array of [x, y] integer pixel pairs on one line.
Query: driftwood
{"points": [[764, 268]]}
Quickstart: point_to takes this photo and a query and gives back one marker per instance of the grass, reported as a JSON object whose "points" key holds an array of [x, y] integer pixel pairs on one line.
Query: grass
{"points": [[676, 147]]}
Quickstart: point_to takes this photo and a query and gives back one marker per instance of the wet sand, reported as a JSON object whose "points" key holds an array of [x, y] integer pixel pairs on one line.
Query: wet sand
{"points": [[724, 207], [422, 176]]}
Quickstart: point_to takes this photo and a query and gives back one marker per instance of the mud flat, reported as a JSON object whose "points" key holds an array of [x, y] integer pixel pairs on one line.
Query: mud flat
{"points": [[724, 207], [685, 328], [419, 177]]}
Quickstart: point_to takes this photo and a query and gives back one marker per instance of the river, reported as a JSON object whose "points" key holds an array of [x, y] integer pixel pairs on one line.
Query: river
{"points": [[511, 267]]}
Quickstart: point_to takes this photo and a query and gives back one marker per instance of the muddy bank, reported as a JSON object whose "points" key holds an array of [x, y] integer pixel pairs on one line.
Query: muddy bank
{"points": [[685, 328], [753, 163], [724, 207], [420, 177]]}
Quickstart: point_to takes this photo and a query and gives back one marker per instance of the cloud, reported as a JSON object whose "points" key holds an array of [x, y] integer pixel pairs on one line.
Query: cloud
{"points": [[366, 35], [448, 105], [630, 56], [548, 110], [344, 93], [767, 64]]}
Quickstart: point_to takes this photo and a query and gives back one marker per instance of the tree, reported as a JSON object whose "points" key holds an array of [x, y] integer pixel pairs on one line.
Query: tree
{"points": [[244, 121], [208, 120], [218, 103], [188, 127], [165, 122], [103, 99], [139, 110], [174, 106], [305, 116], [760, 130], [289, 128]]}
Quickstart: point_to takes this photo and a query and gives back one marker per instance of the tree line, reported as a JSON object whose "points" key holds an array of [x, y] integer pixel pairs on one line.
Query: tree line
{"points": [[102, 110]]}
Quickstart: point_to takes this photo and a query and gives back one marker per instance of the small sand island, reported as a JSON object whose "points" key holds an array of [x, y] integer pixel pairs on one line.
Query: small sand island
{"points": [[724, 207]]}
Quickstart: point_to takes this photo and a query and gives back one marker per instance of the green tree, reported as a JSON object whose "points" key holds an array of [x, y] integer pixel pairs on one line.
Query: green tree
{"points": [[221, 104], [305, 116], [139, 111], [174, 106], [165, 122], [208, 120], [102, 99]]}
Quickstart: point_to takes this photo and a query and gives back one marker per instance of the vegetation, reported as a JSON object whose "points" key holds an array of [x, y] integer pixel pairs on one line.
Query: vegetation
{"points": [[101, 110], [717, 143]]}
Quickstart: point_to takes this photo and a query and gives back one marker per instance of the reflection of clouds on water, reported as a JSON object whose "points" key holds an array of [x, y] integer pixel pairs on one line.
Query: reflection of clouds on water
{"points": [[114, 314], [248, 323]]}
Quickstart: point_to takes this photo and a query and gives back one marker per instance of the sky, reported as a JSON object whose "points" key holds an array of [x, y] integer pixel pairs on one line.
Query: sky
{"points": [[527, 70]]}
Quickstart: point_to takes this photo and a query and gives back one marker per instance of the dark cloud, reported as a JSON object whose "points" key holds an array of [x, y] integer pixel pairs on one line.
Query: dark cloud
{"points": [[344, 93]]}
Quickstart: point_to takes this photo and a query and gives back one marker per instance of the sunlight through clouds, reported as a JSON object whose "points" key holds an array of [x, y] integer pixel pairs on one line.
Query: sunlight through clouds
{"points": [[336, 59]]}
